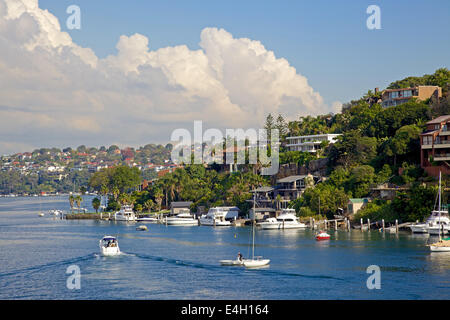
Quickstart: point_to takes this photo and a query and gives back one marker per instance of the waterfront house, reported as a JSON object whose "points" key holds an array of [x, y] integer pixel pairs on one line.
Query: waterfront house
{"points": [[356, 204], [291, 188], [310, 143], [177, 207], [395, 97], [435, 146]]}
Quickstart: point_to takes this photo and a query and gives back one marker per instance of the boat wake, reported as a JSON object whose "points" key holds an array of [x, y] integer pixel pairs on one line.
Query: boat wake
{"points": [[41, 267], [232, 269]]}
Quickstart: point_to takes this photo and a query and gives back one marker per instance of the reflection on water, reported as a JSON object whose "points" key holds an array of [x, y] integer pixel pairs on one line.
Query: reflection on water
{"points": [[170, 262]]}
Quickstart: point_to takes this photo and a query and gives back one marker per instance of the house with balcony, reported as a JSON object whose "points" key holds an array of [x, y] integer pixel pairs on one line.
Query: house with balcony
{"points": [[435, 146], [310, 143], [395, 97], [291, 188]]}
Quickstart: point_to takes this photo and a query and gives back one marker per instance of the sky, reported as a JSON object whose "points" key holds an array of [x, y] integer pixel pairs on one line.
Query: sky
{"points": [[137, 70]]}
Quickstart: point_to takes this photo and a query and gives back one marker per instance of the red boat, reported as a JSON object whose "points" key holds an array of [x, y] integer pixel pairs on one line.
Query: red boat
{"points": [[322, 236]]}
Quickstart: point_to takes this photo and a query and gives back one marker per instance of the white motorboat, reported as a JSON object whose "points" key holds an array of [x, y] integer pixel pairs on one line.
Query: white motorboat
{"points": [[286, 220], [41, 214], [184, 218], [109, 246], [148, 220], [126, 213], [433, 223], [215, 217], [55, 212], [142, 228]]}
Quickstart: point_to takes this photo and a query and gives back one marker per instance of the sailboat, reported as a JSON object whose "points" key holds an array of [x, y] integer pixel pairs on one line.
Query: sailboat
{"points": [[257, 261], [443, 245]]}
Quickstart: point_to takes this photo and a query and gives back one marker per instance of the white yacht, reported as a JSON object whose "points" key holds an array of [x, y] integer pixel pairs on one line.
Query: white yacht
{"points": [[184, 218], [109, 246], [286, 220], [215, 217], [432, 224], [126, 213], [148, 219], [55, 212]]}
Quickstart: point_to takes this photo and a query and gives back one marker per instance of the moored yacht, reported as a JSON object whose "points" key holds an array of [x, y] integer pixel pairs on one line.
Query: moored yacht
{"points": [[126, 213], [286, 220], [432, 224], [215, 217], [184, 218]]}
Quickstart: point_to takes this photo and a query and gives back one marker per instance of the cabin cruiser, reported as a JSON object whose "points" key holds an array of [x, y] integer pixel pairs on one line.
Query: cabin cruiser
{"points": [[148, 219], [184, 218], [286, 220], [215, 217], [109, 246], [55, 212], [432, 224], [126, 213]]}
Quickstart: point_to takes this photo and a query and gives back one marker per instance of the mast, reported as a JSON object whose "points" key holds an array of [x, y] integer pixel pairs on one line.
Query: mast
{"points": [[253, 226], [439, 205]]}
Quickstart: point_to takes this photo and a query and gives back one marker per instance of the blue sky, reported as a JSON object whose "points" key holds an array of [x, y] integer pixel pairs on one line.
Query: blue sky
{"points": [[326, 41]]}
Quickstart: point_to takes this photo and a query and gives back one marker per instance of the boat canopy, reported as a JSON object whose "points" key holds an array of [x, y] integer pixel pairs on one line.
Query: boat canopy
{"points": [[108, 238]]}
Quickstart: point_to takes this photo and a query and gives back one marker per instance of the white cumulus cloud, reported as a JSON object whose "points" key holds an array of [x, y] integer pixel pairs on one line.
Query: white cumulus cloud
{"points": [[56, 93]]}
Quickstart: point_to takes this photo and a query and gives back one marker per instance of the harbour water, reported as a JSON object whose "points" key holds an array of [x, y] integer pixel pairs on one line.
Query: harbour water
{"points": [[169, 262]]}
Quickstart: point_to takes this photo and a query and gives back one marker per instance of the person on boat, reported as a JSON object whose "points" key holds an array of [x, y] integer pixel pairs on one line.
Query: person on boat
{"points": [[240, 257]]}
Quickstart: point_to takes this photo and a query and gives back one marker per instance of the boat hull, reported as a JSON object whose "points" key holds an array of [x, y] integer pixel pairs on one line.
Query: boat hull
{"points": [[110, 251], [180, 222], [439, 249], [209, 222], [250, 263], [421, 228], [280, 226], [435, 231]]}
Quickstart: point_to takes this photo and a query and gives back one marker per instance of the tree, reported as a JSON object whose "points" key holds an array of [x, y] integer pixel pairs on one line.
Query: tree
{"points": [[78, 200], [149, 205], [71, 201], [96, 204], [281, 126]]}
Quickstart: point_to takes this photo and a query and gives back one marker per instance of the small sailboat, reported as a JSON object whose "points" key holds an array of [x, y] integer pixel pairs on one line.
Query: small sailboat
{"points": [[257, 261], [109, 246], [443, 245]]}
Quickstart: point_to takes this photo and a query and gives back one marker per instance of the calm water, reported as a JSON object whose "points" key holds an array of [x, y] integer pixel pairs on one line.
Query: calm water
{"points": [[182, 262]]}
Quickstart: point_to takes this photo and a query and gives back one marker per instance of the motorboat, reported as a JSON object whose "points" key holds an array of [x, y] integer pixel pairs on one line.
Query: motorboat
{"points": [[433, 222], [286, 220], [148, 220], [109, 246], [126, 213], [184, 218], [322, 235], [215, 217], [142, 228], [41, 214], [55, 212]]}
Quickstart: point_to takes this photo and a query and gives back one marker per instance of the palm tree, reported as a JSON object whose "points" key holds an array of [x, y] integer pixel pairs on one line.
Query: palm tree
{"points": [[103, 192], [96, 204], [149, 205], [71, 201], [158, 197], [78, 200]]}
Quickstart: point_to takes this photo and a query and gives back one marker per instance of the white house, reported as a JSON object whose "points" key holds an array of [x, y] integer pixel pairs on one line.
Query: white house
{"points": [[309, 143]]}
